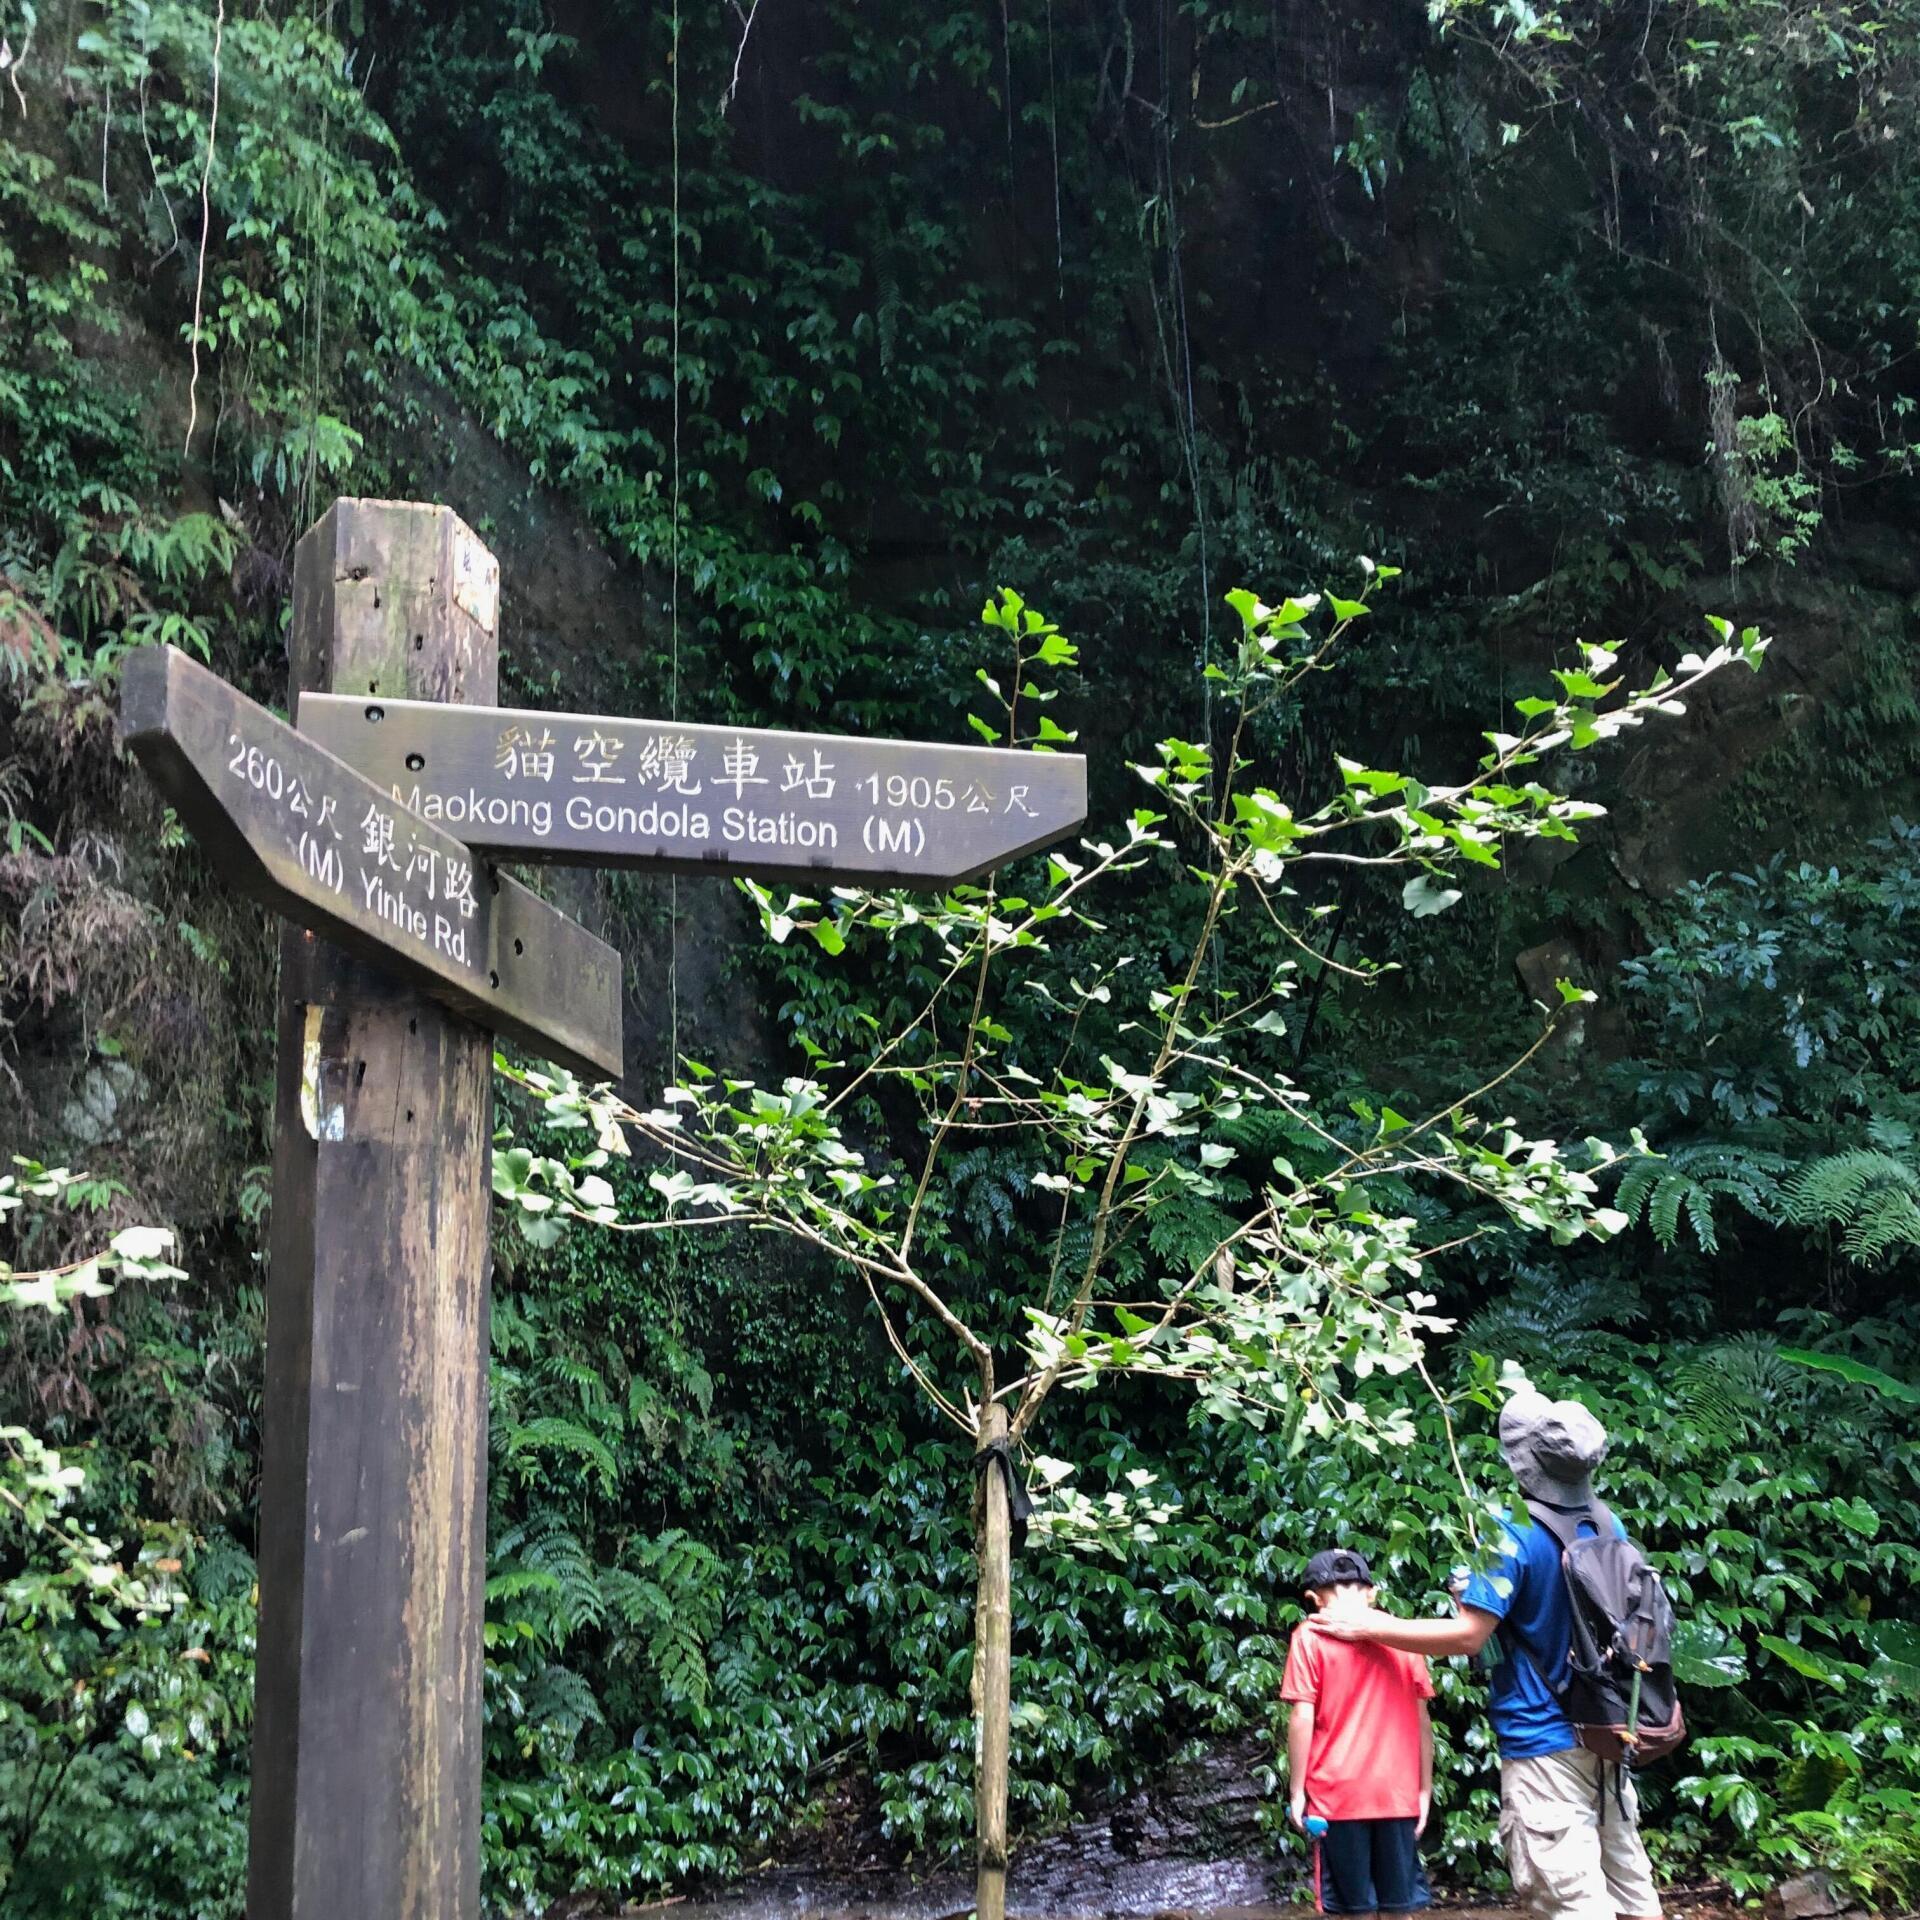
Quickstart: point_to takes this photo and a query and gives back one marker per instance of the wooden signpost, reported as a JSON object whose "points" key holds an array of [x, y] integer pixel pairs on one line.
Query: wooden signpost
{"points": [[317, 844], [580, 789], [368, 830]]}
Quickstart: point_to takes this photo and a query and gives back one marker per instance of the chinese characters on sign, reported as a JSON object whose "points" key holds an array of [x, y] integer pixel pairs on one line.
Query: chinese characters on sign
{"points": [[602, 791], [335, 853]]}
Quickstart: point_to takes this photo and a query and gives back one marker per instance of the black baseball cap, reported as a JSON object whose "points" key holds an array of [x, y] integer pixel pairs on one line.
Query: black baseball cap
{"points": [[1338, 1567]]}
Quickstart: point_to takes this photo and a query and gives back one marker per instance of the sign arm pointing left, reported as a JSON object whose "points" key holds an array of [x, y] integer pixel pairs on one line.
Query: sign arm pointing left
{"points": [[306, 836]]}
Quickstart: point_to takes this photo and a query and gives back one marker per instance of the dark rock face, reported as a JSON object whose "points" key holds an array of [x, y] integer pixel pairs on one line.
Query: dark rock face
{"points": [[1088, 1890], [1189, 1843], [1208, 1806]]}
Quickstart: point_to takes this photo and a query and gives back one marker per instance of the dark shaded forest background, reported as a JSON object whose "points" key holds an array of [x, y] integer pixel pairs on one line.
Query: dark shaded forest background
{"points": [[759, 368]]}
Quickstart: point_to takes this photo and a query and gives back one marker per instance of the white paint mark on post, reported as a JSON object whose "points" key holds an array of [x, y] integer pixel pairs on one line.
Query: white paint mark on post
{"points": [[323, 1119], [476, 580]]}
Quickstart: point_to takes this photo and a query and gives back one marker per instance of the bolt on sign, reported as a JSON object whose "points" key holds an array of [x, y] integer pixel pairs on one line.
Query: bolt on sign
{"points": [[315, 842], [596, 790]]}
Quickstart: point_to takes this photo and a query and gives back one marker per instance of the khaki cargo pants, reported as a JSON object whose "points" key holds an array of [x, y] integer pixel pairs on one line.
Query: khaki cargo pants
{"points": [[1569, 1861]]}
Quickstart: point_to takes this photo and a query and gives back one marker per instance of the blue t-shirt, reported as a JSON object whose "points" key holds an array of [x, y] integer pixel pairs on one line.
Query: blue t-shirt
{"points": [[1526, 1592]]}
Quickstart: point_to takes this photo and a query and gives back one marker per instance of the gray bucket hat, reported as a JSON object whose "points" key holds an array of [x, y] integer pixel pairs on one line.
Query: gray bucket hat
{"points": [[1551, 1447]]}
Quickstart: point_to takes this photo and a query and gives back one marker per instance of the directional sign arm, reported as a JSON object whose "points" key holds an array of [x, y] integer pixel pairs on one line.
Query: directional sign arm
{"points": [[605, 791], [296, 829]]}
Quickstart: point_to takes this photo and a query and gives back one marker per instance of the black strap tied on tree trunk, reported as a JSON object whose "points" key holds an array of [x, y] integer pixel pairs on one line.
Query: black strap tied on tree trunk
{"points": [[1019, 1507]]}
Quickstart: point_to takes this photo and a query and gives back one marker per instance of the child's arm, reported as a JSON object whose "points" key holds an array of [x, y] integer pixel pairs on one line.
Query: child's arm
{"points": [[1426, 1768], [1299, 1745]]}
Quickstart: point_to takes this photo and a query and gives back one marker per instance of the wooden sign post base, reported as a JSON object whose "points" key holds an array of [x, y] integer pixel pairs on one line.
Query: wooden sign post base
{"points": [[366, 1754]]}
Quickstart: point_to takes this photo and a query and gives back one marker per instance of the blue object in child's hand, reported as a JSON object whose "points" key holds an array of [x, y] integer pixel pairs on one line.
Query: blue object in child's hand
{"points": [[1316, 1826]]}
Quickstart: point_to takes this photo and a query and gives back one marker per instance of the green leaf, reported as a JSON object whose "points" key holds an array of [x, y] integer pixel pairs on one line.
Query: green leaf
{"points": [[1581, 686], [1803, 1662], [1856, 1516], [1706, 1655], [1855, 1371], [1375, 782], [991, 735], [1897, 1645], [142, 1243], [1247, 606], [1004, 614], [85, 1279], [1423, 895]]}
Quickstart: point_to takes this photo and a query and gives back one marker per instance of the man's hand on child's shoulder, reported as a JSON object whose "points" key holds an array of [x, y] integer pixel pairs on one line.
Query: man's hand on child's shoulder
{"points": [[1349, 1626]]}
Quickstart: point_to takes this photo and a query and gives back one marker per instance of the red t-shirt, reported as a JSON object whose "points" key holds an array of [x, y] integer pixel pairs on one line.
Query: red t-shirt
{"points": [[1364, 1763]]}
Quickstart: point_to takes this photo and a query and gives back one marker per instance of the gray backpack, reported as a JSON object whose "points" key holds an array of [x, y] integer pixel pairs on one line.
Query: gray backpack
{"points": [[1620, 1692]]}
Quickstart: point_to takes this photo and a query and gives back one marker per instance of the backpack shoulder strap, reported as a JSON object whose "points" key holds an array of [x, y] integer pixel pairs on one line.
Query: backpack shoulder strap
{"points": [[1563, 1527]]}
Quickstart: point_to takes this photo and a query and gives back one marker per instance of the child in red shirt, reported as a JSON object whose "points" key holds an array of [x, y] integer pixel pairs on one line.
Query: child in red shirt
{"points": [[1359, 1751]]}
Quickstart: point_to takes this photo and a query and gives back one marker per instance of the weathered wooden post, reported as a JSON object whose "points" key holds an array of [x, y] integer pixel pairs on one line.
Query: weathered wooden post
{"points": [[367, 826], [992, 1674], [366, 1751]]}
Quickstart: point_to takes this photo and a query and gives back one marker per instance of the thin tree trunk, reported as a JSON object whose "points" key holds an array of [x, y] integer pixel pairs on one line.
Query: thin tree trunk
{"points": [[992, 1677]]}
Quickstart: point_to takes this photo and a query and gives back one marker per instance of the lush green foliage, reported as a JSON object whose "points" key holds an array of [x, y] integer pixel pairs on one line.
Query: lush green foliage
{"points": [[1570, 310], [1135, 1121], [119, 1683]]}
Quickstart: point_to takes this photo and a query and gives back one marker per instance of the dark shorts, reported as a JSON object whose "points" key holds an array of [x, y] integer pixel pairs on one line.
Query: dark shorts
{"points": [[1370, 1866]]}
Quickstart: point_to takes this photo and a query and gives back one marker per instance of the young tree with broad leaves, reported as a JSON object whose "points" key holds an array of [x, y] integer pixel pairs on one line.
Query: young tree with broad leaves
{"points": [[1129, 1098]]}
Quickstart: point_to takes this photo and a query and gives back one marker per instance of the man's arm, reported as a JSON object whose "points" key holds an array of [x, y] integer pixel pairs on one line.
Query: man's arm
{"points": [[1299, 1745], [1467, 1632]]}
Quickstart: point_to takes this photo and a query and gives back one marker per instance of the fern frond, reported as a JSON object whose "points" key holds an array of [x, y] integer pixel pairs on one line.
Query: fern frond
{"points": [[562, 1701], [1687, 1181], [1733, 1389], [1184, 1229], [516, 1583], [222, 1570], [1663, 1209], [1873, 1198], [985, 1184], [590, 1389], [551, 1434], [670, 1602], [1549, 1318], [680, 1660], [579, 1601]]}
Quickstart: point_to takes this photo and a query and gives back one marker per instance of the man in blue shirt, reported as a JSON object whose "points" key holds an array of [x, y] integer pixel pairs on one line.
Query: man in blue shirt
{"points": [[1571, 1833]]}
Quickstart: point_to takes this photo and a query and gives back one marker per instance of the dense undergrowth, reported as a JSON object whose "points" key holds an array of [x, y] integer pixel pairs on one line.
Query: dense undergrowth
{"points": [[1589, 326]]}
